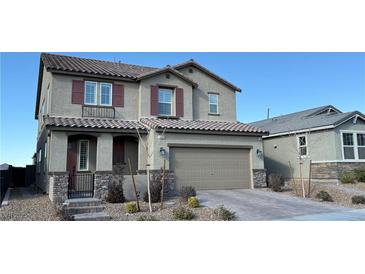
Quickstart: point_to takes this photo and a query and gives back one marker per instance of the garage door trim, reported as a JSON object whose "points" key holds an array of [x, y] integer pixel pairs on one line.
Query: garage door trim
{"points": [[209, 146]]}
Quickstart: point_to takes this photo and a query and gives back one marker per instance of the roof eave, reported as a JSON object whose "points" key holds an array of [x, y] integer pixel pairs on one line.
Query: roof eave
{"points": [[213, 75], [165, 70], [39, 87]]}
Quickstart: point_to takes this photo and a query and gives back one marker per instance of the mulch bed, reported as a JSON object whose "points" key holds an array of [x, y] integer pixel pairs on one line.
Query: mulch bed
{"points": [[340, 193], [28, 204], [117, 212]]}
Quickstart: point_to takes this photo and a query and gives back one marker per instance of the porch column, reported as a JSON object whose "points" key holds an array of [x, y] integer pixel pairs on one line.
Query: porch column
{"points": [[104, 153], [104, 165], [57, 174]]}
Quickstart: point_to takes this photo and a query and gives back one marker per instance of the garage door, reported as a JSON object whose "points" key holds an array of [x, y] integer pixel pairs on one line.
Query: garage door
{"points": [[211, 168]]}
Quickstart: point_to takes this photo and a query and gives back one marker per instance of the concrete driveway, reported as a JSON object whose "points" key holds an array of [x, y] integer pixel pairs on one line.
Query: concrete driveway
{"points": [[251, 205]]}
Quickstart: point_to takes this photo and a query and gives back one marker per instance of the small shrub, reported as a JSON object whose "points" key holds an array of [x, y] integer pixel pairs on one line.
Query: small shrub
{"points": [[186, 192], [276, 182], [182, 213], [225, 214], [146, 218], [360, 175], [324, 196], [358, 200], [130, 207], [115, 193], [193, 202], [155, 189], [348, 178]]}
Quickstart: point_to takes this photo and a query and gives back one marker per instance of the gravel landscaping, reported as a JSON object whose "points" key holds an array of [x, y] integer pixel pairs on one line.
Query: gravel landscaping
{"points": [[27, 204], [340, 193], [117, 212]]}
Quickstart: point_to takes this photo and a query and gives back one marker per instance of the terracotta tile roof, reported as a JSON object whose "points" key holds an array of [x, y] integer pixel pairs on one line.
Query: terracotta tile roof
{"points": [[92, 66], [219, 126], [92, 123]]}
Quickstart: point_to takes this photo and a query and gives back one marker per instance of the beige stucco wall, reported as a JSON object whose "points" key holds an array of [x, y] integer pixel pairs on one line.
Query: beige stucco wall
{"points": [[227, 97], [145, 94], [58, 151], [104, 152], [198, 139], [62, 94], [323, 146], [46, 97]]}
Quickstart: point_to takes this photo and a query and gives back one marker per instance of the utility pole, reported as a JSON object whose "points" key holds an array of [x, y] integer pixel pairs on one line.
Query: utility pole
{"points": [[268, 113]]}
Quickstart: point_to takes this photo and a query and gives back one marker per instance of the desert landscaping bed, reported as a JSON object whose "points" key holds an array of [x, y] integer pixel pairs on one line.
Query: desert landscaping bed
{"points": [[27, 204], [118, 213], [340, 193]]}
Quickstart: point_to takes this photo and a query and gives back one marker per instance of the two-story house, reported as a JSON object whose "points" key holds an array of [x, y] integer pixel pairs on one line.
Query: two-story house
{"points": [[94, 114]]}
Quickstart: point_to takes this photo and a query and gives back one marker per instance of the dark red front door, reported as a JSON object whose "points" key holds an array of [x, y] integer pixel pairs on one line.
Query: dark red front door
{"points": [[118, 150], [72, 156]]}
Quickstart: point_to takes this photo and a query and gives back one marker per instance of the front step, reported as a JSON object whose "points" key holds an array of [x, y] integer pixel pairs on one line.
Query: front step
{"points": [[95, 216], [84, 209], [82, 202]]}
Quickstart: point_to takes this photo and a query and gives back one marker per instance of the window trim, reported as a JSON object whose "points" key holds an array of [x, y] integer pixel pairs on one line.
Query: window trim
{"points": [[79, 155], [110, 94], [300, 146], [217, 104], [355, 145], [96, 93], [171, 102], [45, 157]]}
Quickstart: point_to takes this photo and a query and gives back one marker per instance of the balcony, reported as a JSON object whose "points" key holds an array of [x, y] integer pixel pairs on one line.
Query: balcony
{"points": [[98, 112]]}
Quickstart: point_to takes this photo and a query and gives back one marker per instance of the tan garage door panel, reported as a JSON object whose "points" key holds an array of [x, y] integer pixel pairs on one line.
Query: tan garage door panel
{"points": [[211, 168]]}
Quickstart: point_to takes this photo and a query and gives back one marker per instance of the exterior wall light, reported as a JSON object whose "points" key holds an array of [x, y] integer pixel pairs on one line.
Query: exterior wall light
{"points": [[162, 152], [259, 153]]}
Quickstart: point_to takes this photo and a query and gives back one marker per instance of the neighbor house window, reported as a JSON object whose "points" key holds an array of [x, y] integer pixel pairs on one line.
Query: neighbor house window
{"points": [[302, 145], [165, 101], [348, 146], [90, 93], [83, 155], [43, 107], [213, 103], [361, 145], [39, 161], [45, 157], [105, 94]]}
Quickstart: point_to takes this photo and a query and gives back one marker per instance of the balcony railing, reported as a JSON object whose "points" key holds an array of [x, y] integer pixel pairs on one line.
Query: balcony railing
{"points": [[98, 112]]}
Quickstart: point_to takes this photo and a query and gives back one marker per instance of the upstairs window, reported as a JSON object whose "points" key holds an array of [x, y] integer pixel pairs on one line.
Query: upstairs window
{"points": [[348, 146], [83, 155], [213, 103], [105, 94], [165, 101], [302, 146], [90, 93]]}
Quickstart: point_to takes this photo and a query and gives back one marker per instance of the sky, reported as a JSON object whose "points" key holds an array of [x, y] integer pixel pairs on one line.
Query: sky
{"points": [[283, 82]]}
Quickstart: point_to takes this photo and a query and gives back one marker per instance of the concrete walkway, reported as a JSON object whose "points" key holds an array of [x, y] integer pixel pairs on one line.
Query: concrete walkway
{"points": [[254, 205], [351, 215]]}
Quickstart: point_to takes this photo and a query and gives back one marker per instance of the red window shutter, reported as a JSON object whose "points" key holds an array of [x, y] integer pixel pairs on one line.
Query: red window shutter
{"points": [[77, 92], [154, 100], [118, 95], [179, 102]]}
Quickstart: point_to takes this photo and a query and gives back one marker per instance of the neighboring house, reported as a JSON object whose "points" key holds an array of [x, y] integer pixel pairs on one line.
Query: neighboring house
{"points": [[94, 114], [334, 141]]}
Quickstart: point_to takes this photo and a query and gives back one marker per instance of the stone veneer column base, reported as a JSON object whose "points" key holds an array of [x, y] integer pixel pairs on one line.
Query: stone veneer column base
{"points": [[102, 180], [259, 178], [58, 187], [170, 181]]}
